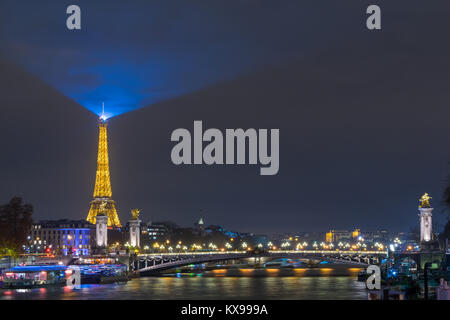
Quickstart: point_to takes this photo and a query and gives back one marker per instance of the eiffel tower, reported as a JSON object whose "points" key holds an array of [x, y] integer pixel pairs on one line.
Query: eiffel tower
{"points": [[102, 202]]}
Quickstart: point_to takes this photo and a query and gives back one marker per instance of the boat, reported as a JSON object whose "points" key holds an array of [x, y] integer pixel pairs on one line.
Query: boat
{"points": [[91, 271], [99, 269], [33, 276], [100, 273], [362, 276]]}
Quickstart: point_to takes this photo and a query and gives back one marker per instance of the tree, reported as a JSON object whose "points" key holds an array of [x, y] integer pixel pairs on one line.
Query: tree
{"points": [[15, 225]]}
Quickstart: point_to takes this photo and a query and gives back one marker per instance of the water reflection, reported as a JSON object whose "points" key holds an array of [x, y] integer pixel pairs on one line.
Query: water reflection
{"points": [[208, 287]]}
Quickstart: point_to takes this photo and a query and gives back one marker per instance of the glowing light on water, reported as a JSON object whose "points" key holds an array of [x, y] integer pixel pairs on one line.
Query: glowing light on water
{"points": [[246, 270], [220, 271]]}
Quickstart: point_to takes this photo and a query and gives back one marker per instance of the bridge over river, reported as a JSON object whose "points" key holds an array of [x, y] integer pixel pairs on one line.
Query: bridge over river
{"points": [[155, 263]]}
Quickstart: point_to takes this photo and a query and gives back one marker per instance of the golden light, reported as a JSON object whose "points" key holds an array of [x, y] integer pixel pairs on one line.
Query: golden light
{"points": [[246, 270], [220, 271], [272, 270]]}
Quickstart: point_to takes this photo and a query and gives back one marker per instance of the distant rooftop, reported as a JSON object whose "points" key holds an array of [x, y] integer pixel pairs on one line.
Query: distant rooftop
{"points": [[64, 223]]}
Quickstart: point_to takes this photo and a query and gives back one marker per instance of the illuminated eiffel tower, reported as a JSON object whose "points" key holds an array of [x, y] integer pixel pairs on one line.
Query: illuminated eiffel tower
{"points": [[102, 202]]}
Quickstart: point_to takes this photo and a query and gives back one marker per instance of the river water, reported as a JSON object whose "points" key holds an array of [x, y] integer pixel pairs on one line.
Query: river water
{"points": [[208, 286]]}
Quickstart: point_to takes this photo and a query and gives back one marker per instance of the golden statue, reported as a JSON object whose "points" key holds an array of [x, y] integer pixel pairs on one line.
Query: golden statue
{"points": [[102, 208], [425, 201], [135, 213]]}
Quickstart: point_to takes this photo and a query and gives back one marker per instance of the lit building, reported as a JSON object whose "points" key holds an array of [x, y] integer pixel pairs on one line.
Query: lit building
{"points": [[157, 231], [341, 235], [381, 236], [61, 237]]}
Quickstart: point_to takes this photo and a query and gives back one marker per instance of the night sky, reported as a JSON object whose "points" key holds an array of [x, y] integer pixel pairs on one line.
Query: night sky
{"points": [[364, 116]]}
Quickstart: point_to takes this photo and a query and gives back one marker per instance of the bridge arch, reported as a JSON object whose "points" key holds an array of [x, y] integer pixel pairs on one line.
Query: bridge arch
{"points": [[154, 263]]}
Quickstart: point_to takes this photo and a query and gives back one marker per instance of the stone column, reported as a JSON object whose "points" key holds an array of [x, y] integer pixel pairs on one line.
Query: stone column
{"points": [[426, 232], [135, 232], [102, 230]]}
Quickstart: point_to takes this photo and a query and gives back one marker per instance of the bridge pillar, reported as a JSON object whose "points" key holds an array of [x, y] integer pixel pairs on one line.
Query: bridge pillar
{"points": [[135, 232], [102, 230], [426, 232]]}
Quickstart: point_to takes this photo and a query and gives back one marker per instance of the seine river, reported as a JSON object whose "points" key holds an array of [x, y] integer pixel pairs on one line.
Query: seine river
{"points": [[210, 285]]}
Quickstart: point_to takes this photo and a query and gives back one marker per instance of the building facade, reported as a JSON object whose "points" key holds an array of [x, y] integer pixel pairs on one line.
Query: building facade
{"points": [[341, 235], [156, 231], [61, 237]]}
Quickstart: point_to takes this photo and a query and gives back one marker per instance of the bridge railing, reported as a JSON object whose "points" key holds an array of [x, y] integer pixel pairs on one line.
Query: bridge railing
{"points": [[345, 252], [328, 252], [191, 253]]}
